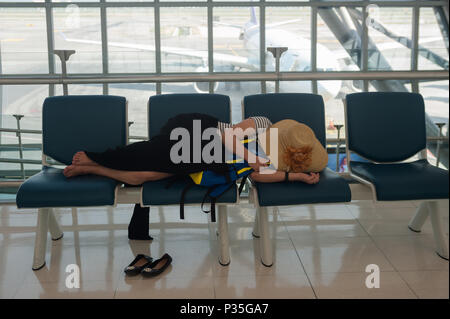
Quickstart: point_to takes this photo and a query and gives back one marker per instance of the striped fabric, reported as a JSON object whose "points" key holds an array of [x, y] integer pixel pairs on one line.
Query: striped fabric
{"points": [[261, 123]]}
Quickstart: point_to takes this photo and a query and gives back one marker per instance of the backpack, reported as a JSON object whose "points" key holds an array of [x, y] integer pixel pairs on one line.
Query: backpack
{"points": [[218, 182]]}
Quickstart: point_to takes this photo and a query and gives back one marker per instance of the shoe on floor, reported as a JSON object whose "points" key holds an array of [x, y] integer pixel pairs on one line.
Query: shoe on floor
{"points": [[140, 262], [157, 267]]}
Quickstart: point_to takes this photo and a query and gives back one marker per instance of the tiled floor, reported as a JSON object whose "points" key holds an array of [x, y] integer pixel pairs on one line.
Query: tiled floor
{"points": [[320, 252]]}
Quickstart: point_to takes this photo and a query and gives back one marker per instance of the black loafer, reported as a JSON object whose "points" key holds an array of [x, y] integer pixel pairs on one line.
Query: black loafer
{"points": [[144, 261], [157, 267]]}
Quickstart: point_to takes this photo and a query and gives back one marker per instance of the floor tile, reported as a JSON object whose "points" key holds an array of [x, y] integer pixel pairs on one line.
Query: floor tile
{"points": [[411, 252], [336, 222], [353, 286], [260, 287], [353, 254], [427, 284], [246, 260], [8, 291], [87, 290], [166, 286]]}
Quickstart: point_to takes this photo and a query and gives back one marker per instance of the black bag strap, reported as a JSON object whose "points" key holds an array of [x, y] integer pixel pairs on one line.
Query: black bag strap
{"points": [[182, 199], [213, 203]]}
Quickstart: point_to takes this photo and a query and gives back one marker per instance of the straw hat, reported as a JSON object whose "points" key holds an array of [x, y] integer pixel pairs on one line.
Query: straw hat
{"points": [[296, 135]]}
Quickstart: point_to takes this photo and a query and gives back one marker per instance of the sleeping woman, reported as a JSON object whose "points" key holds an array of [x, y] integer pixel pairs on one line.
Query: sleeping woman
{"points": [[300, 155]]}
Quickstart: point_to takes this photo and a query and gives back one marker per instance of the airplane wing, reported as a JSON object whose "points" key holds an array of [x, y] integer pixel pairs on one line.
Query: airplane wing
{"points": [[235, 60]]}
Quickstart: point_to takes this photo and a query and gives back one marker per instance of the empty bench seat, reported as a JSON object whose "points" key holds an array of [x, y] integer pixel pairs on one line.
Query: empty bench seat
{"points": [[406, 181], [388, 128]]}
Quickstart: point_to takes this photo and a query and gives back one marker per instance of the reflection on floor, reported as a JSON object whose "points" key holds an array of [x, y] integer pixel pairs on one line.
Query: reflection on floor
{"points": [[320, 252]]}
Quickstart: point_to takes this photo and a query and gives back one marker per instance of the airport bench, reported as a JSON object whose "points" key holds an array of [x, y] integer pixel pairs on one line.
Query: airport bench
{"points": [[74, 123], [304, 108], [388, 128]]}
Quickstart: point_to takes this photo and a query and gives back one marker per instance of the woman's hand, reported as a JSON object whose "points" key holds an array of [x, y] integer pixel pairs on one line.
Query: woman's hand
{"points": [[259, 163], [311, 178]]}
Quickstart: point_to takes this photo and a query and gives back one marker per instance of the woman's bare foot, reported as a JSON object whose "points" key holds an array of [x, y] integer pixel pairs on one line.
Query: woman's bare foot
{"points": [[80, 158], [75, 170]]}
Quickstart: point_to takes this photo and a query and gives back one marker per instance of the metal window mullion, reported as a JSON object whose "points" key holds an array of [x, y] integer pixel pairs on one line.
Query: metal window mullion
{"points": [[365, 47], [312, 3], [50, 44], [315, 89], [210, 44], [104, 38], [262, 42], [415, 48], [157, 44]]}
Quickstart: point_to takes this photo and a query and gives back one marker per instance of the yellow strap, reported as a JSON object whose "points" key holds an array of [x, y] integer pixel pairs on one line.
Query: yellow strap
{"points": [[235, 161], [247, 140], [197, 177], [243, 170]]}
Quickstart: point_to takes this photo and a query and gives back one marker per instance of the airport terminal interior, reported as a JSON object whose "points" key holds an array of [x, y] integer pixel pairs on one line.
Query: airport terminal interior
{"points": [[374, 241]]}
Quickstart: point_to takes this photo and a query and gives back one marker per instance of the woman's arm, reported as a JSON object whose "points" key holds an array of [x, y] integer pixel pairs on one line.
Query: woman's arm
{"points": [[278, 176], [232, 138]]}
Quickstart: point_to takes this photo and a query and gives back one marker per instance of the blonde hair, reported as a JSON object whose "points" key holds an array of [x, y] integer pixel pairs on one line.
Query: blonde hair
{"points": [[297, 159]]}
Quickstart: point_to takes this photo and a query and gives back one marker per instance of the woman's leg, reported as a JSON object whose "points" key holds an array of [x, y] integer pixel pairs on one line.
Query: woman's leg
{"points": [[129, 177]]}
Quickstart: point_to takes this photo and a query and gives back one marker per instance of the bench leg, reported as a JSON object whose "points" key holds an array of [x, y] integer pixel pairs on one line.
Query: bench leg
{"points": [[419, 218], [40, 242], [264, 241], [255, 231], [53, 225], [224, 257], [438, 232]]}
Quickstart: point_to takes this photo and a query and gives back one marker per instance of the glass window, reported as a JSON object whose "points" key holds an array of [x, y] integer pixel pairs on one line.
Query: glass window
{"points": [[23, 45], [184, 40], [236, 39], [131, 40], [389, 32], [289, 27], [433, 52], [25, 100], [80, 89], [78, 29], [338, 41], [137, 95], [390, 86], [435, 94], [236, 91]]}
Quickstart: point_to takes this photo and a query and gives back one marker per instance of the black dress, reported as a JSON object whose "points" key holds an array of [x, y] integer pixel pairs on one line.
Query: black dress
{"points": [[154, 154]]}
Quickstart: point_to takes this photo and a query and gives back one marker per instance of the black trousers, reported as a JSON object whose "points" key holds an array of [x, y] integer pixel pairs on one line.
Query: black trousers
{"points": [[154, 154]]}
